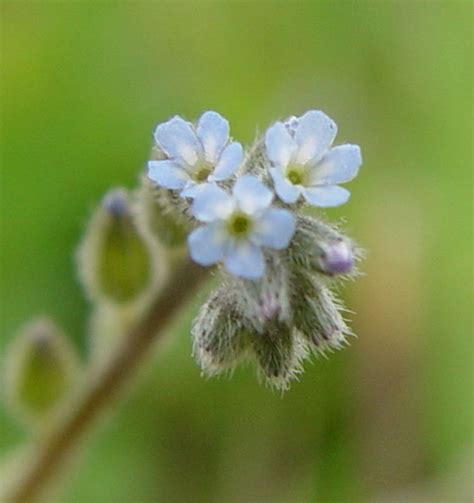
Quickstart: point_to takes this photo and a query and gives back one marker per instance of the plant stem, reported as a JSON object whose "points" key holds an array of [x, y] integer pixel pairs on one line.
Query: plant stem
{"points": [[51, 454]]}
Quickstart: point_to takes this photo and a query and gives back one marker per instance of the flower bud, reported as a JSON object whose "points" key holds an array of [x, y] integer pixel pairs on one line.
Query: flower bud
{"points": [[220, 336], [336, 257], [279, 353], [268, 299], [119, 263], [317, 316], [319, 247], [163, 213], [41, 371]]}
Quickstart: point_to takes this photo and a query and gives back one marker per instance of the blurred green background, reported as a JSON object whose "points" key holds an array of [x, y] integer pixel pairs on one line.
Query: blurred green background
{"points": [[390, 418]]}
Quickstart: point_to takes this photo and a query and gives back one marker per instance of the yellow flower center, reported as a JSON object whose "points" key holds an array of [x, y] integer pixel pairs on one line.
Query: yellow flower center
{"points": [[239, 225], [202, 171], [296, 174]]}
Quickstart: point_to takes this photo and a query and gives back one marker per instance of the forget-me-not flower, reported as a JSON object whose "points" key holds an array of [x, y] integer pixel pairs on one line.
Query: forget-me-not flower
{"points": [[195, 155], [304, 164], [237, 226]]}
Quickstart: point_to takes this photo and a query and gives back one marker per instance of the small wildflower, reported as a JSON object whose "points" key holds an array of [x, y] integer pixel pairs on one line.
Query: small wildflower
{"points": [[288, 310], [195, 155], [304, 164], [238, 226]]}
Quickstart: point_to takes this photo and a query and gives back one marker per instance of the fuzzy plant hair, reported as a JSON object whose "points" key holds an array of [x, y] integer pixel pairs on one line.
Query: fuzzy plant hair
{"points": [[290, 311]]}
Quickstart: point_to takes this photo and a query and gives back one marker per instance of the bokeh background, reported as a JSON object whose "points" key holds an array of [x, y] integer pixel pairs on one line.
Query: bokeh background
{"points": [[390, 418]]}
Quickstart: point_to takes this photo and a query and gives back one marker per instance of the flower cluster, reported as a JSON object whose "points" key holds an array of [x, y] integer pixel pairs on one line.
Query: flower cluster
{"points": [[246, 211], [237, 225]]}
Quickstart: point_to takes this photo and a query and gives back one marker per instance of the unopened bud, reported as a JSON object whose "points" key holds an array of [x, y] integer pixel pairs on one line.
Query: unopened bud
{"points": [[279, 353], [41, 370], [267, 300], [117, 204], [163, 213], [118, 262], [317, 315], [319, 247], [336, 258], [220, 335]]}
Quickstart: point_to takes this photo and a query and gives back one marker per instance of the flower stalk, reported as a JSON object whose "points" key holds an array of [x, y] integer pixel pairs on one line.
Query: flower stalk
{"points": [[241, 213], [61, 442]]}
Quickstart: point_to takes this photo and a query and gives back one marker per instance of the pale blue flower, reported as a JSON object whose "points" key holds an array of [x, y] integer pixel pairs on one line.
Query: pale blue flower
{"points": [[237, 226], [195, 155], [303, 162]]}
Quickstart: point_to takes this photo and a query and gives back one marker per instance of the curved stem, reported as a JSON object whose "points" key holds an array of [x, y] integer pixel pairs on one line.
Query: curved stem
{"points": [[51, 454]]}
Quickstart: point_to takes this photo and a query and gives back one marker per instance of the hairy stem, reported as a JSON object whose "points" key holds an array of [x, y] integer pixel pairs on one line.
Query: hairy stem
{"points": [[49, 457]]}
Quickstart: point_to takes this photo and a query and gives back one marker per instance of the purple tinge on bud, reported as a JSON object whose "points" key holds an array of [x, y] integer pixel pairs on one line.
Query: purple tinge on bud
{"points": [[337, 257], [116, 203], [270, 307]]}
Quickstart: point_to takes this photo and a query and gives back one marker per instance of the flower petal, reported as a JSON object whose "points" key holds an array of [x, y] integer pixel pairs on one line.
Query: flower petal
{"points": [[279, 144], [228, 163], [274, 229], [246, 260], [207, 244], [291, 124], [251, 194], [178, 140], [212, 203], [213, 131], [168, 174], [339, 165], [314, 135], [192, 189], [286, 191], [326, 196]]}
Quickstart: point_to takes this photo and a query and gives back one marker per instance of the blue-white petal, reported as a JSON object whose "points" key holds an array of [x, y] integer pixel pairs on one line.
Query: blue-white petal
{"points": [[292, 123], [207, 244], [168, 174], [252, 195], [274, 229], [213, 131], [212, 203], [279, 144], [285, 190], [192, 189], [245, 259], [341, 164], [178, 140], [314, 135], [326, 196], [229, 162]]}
